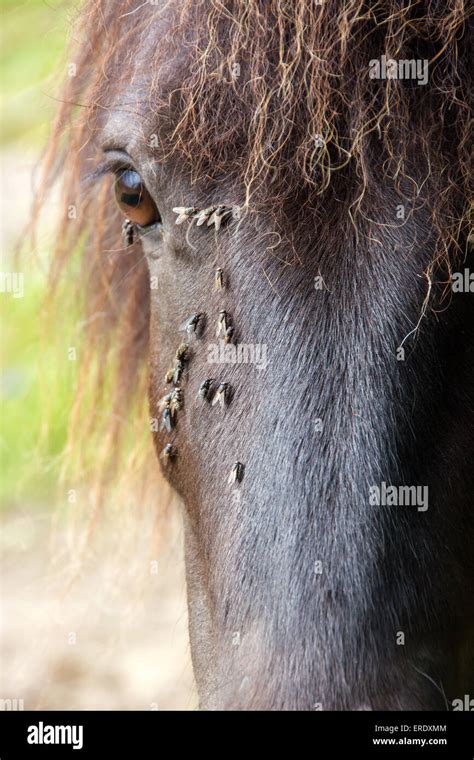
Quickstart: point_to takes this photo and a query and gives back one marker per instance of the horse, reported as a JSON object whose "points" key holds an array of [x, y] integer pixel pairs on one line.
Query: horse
{"points": [[270, 202]]}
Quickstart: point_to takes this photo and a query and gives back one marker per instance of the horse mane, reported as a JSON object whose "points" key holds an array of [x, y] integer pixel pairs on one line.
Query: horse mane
{"points": [[275, 97]]}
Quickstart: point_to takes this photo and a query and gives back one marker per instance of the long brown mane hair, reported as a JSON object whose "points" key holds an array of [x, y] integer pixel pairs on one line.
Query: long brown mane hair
{"points": [[274, 94]]}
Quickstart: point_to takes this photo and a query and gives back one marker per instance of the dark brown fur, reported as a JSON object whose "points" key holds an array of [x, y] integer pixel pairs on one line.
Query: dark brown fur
{"points": [[160, 79]]}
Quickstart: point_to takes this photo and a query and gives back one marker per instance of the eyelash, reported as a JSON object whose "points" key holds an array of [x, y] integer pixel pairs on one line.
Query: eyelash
{"points": [[109, 166]]}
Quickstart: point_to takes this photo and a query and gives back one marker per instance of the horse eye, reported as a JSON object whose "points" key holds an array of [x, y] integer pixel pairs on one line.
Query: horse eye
{"points": [[134, 199]]}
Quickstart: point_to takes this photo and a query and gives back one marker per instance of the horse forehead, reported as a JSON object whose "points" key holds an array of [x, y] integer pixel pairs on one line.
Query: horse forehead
{"points": [[132, 108], [159, 57]]}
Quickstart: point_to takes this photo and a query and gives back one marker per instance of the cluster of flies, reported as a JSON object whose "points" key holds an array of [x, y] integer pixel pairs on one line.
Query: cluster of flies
{"points": [[212, 216], [217, 394]]}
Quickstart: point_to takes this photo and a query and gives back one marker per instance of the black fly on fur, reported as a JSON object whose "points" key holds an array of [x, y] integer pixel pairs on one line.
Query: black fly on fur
{"points": [[236, 474], [166, 420], [204, 389], [191, 325], [219, 279], [168, 454]]}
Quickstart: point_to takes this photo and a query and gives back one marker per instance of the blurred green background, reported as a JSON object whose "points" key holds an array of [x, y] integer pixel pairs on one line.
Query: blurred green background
{"points": [[129, 646], [33, 36], [37, 381]]}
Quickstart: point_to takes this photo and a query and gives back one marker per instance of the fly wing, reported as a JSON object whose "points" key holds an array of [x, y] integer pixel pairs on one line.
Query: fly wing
{"points": [[180, 210], [201, 218], [213, 220], [184, 213], [204, 215], [163, 402], [186, 326], [220, 215]]}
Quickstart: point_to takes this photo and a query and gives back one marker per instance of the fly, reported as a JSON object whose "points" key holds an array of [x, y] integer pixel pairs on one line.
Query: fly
{"points": [[164, 402], [168, 454], [203, 216], [222, 395], [190, 327], [166, 421], [228, 334], [218, 216], [184, 213], [204, 388], [182, 352], [178, 371], [218, 279], [222, 323], [176, 403], [236, 473]]}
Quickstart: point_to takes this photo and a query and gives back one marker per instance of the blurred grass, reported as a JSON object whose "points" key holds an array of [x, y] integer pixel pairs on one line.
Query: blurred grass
{"points": [[33, 423], [32, 43], [127, 616], [37, 390]]}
